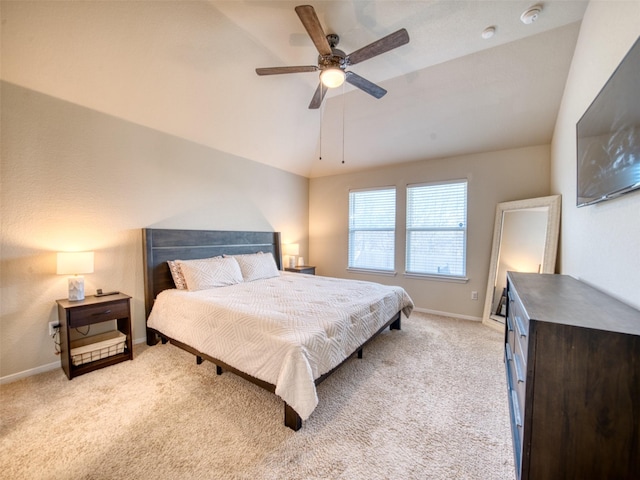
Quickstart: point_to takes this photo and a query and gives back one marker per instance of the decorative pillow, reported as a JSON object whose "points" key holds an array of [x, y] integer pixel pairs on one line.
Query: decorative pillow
{"points": [[210, 272], [256, 266], [176, 273]]}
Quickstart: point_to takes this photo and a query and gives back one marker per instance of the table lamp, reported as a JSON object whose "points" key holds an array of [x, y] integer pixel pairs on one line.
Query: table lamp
{"points": [[292, 249], [75, 263]]}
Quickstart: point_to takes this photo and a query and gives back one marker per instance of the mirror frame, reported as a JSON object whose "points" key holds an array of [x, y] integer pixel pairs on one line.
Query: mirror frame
{"points": [[550, 245]]}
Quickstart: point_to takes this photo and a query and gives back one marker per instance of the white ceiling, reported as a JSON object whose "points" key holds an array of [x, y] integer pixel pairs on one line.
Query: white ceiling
{"points": [[187, 68]]}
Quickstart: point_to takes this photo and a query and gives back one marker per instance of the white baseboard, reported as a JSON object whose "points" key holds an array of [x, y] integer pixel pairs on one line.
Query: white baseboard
{"points": [[448, 314], [27, 373], [44, 368]]}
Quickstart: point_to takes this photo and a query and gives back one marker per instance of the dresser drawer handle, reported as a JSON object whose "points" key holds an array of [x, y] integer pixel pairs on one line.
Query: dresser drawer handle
{"points": [[520, 325], [516, 408], [519, 368], [106, 312], [508, 352]]}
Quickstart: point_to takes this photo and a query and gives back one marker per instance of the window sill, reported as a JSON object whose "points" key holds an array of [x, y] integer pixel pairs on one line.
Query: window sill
{"points": [[439, 278], [388, 273]]}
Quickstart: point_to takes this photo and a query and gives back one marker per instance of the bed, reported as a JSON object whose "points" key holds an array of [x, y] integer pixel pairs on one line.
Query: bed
{"points": [[285, 332]]}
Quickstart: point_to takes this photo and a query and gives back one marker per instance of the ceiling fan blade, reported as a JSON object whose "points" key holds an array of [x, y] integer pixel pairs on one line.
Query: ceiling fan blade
{"points": [[316, 101], [310, 21], [365, 85], [279, 70], [378, 47]]}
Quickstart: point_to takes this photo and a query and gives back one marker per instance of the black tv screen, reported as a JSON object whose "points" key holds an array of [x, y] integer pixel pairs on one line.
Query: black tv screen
{"points": [[608, 136]]}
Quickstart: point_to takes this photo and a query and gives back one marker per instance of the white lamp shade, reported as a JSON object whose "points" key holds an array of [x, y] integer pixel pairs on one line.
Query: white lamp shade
{"points": [[332, 77], [74, 263]]}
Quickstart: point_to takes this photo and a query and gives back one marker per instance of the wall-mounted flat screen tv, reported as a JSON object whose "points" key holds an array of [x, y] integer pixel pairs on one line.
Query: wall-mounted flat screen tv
{"points": [[608, 136]]}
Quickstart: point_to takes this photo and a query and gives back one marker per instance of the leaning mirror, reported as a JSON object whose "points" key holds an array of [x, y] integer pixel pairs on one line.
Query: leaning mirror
{"points": [[525, 239]]}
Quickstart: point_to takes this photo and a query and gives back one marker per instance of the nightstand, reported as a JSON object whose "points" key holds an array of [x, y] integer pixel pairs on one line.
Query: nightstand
{"points": [[97, 351], [308, 269]]}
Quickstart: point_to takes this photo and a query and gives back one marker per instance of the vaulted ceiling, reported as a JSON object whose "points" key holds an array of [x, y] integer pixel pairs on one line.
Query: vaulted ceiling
{"points": [[187, 68]]}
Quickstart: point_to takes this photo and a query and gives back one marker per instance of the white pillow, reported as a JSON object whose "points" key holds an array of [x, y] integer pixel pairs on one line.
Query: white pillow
{"points": [[256, 266], [210, 272]]}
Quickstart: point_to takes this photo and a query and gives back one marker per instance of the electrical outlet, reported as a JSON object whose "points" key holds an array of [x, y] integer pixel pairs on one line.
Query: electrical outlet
{"points": [[53, 327], [474, 295]]}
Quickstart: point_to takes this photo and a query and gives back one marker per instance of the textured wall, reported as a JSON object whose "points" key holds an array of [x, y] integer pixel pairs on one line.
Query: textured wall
{"points": [[599, 244], [493, 177], [77, 179]]}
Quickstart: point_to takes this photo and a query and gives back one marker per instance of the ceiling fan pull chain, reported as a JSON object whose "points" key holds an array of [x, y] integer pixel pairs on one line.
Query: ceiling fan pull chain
{"points": [[343, 102], [321, 115]]}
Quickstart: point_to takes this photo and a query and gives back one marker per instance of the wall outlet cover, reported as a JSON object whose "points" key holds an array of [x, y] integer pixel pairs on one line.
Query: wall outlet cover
{"points": [[53, 327]]}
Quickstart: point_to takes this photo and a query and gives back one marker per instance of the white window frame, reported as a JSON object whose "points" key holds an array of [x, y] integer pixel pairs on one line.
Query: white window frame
{"points": [[461, 277], [355, 228]]}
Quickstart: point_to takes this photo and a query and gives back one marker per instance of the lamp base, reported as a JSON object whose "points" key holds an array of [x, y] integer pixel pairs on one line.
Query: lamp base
{"points": [[76, 288], [292, 261]]}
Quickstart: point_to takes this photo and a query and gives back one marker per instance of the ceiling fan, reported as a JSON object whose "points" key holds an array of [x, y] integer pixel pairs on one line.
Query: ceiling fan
{"points": [[333, 62]]}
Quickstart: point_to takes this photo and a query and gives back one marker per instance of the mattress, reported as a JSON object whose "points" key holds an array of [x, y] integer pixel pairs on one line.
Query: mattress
{"points": [[287, 330]]}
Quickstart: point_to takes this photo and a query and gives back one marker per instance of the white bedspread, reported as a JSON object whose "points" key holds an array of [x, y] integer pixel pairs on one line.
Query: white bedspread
{"points": [[287, 330]]}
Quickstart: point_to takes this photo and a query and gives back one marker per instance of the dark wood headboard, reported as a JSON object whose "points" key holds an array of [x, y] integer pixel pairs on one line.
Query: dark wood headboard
{"points": [[160, 245]]}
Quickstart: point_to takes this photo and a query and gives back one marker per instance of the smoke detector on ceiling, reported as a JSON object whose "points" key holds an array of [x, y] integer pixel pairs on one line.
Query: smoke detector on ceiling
{"points": [[488, 32], [531, 15]]}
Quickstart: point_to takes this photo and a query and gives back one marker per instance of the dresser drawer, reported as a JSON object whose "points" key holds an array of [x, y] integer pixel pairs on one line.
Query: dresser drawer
{"points": [[516, 411], [510, 333], [79, 317], [520, 324], [516, 373]]}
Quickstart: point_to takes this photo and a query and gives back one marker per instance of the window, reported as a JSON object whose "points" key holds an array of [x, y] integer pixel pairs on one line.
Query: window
{"points": [[372, 229], [437, 229]]}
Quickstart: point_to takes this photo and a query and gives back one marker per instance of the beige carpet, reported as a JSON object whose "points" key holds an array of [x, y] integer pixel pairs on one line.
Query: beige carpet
{"points": [[428, 402]]}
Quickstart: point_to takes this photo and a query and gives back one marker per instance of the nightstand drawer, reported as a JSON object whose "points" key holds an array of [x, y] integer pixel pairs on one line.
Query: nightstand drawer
{"points": [[79, 317]]}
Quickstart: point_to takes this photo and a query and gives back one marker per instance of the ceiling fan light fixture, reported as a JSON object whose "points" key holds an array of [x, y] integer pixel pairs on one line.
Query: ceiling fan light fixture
{"points": [[332, 77]]}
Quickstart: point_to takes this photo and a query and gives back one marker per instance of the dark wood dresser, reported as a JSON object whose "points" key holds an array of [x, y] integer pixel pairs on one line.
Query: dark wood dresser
{"points": [[572, 356]]}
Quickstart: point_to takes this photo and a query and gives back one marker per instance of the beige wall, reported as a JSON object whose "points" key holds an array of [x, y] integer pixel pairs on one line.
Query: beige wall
{"points": [[599, 244], [74, 178], [493, 177]]}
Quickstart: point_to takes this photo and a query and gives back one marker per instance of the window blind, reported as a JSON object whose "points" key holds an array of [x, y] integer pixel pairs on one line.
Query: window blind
{"points": [[372, 224], [437, 229]]}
